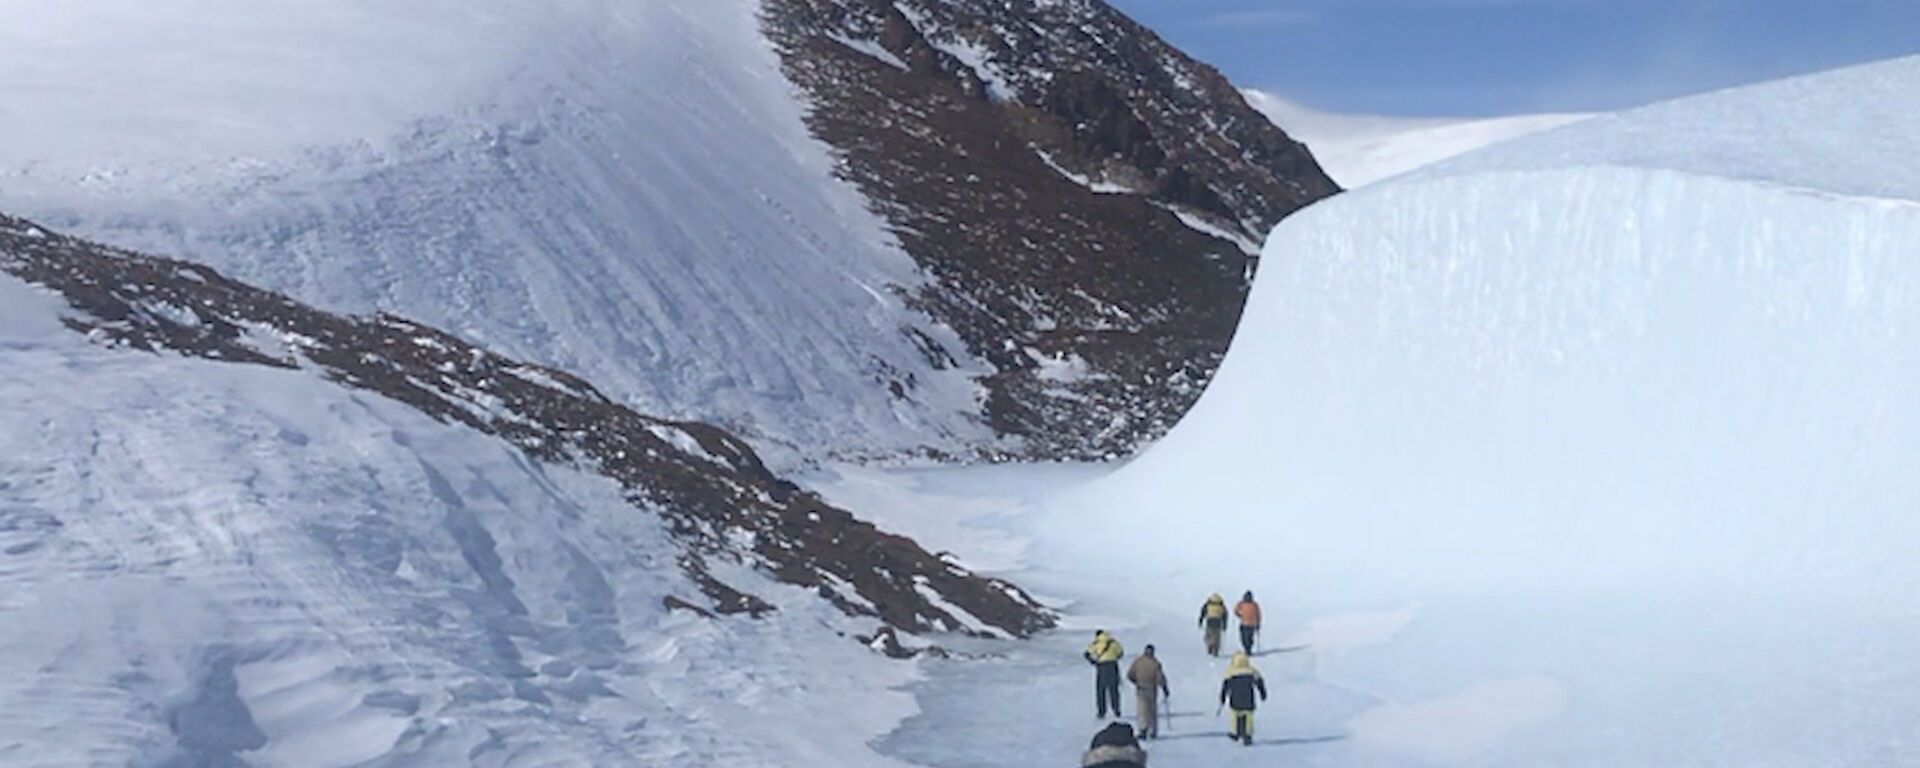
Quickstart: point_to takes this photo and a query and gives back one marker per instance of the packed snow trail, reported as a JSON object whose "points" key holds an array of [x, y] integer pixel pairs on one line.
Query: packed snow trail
{"points": [[1035, 706], [1031, 703]]}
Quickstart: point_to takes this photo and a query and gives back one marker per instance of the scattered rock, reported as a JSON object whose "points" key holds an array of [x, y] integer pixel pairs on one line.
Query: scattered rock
{"points": [[673, 602]]}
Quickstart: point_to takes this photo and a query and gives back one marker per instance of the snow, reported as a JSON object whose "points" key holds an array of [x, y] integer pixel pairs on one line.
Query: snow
{"points": [[1357, 150], [874, 49], [1843, 132], [972, 54], [1059, 370], [1617, 416], [1199, 224], [1096, 187], [214, 564], [615, 189], [1588, 449], [1000, 704], [1452, 729], [1342, 632], [679, 438]]}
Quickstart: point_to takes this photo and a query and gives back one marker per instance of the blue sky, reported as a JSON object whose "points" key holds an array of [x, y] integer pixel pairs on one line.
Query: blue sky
{"points": [[1487, 57]]}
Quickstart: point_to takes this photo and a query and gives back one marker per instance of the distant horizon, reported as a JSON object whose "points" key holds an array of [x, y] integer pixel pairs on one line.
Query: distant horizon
{"points": [[1476, 58]]}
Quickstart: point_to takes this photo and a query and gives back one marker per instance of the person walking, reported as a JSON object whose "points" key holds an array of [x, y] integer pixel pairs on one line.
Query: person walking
{"points": [[1213, 619], [1149, 683], [1237, 689], [1104, 654], [1248, 612]]}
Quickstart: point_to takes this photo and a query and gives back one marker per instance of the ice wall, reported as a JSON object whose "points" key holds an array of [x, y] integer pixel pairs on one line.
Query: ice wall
{"points": [[1599, 375], [1582, 359], [1620, 418]]}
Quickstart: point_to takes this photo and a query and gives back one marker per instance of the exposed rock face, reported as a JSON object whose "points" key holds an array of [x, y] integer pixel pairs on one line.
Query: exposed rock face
{"points": [[718, 497], [1087, 199]]}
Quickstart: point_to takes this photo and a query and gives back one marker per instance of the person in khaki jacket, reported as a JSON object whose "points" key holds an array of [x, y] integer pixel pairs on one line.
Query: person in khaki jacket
{"points": [[1149, 683]]}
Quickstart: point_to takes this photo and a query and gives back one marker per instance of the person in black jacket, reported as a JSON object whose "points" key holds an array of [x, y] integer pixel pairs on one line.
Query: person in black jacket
{"points": [[1242, 681], [1114, 747]]}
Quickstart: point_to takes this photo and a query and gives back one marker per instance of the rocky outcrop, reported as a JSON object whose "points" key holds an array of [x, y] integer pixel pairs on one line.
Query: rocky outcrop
{"points": [[1088, 200], [720, 500]]}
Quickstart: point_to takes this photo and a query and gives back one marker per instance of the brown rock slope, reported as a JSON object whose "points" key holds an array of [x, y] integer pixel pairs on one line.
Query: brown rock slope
{"points": [[1086, 198]]}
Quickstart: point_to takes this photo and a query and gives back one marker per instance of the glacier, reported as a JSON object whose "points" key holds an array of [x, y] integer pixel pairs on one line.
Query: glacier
{"points": [[1585, 449], [1622, 414]]}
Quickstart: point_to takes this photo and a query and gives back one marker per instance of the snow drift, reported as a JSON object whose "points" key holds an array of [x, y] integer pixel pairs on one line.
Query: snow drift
{"points": [[1358, 150], [1630, 403]]}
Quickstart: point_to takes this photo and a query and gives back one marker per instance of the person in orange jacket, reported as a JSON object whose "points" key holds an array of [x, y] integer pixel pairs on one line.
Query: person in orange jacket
{"points": [[1248, 612]]}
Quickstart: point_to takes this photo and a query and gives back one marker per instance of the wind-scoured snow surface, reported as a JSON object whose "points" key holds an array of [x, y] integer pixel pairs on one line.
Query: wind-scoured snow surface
{"points": [[624, 190], [1622, 416], [1357, 150], [205, 565]]}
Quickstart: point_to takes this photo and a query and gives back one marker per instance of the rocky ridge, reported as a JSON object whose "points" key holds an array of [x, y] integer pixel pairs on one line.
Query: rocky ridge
{"points": [[1089, 201], [721, 502]]}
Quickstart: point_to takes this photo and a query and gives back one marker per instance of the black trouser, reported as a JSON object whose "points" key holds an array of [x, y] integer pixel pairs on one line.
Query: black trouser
{"points": [[1106, 687], [1246, 637]]}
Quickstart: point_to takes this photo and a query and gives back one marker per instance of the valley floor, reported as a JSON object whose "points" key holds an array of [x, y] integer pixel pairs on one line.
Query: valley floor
{"points": [[1540, 675], [1016, 704]]}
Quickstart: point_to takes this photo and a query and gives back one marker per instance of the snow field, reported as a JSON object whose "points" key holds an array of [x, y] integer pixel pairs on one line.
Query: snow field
{"points": [[202, 562]]}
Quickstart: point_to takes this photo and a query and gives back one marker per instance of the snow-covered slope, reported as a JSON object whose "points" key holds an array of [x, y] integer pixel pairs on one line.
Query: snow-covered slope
{"points": [[632, 191], [207, 564], [1622, 414], [622, 190], [1357, 150]]}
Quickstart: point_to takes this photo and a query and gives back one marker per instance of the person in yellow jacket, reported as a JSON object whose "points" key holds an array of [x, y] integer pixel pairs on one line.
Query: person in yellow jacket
{"points": [[1104, 654], [1248, 612], [1213, 619], [1237, 688]]}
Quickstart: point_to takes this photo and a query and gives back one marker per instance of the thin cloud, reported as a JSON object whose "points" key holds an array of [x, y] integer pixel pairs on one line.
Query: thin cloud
{"points": [[1259, 19]]}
